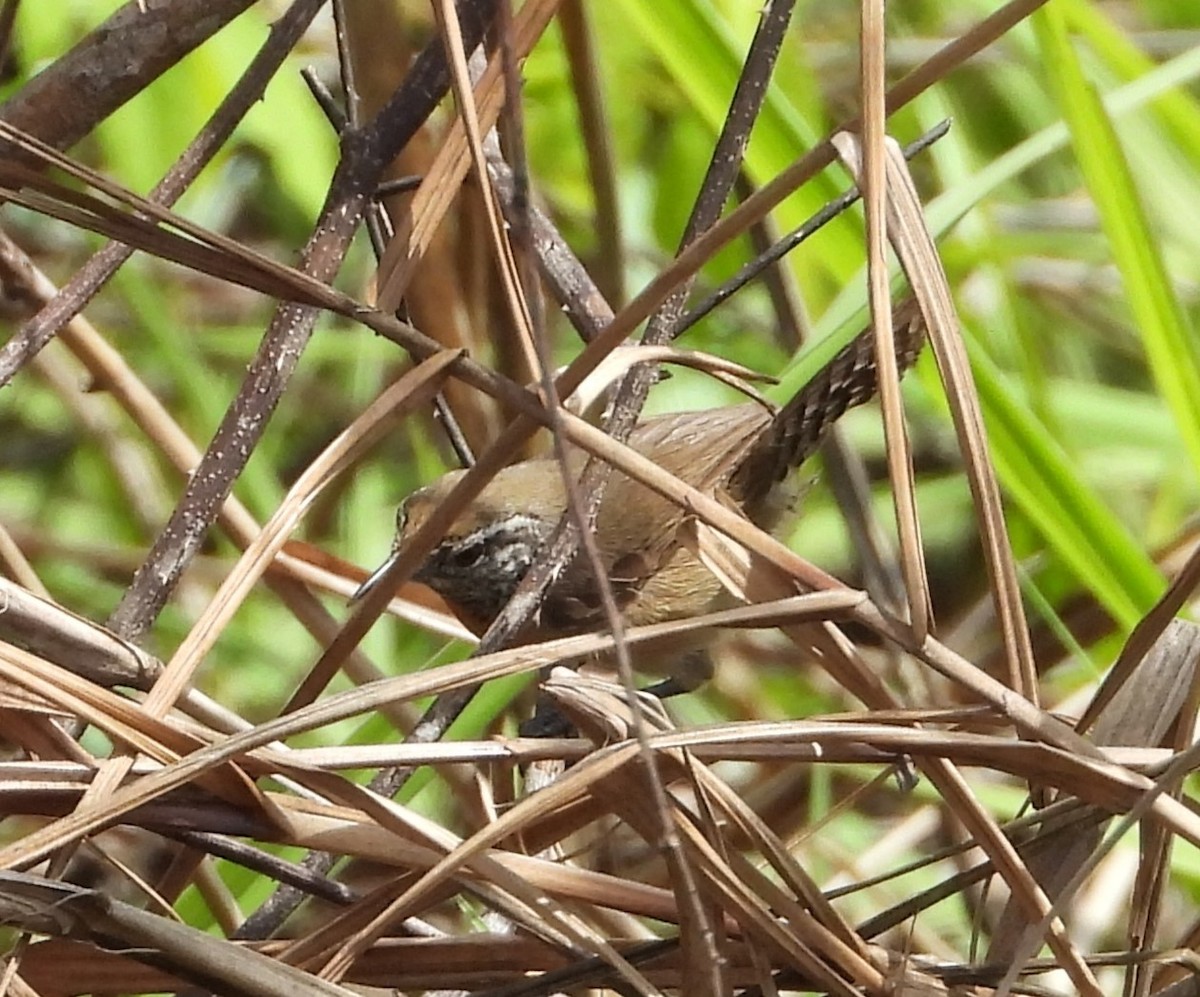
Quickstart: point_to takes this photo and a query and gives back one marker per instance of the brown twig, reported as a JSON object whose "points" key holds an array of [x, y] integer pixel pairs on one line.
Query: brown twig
{"points": [[139, 43]]}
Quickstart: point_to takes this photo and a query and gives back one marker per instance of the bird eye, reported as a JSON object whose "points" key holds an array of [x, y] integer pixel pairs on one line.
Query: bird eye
{"points": [[469, 553]]}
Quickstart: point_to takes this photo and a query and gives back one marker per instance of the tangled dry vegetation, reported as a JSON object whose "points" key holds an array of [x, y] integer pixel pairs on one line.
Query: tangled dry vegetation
{"points": [[222, 776]]}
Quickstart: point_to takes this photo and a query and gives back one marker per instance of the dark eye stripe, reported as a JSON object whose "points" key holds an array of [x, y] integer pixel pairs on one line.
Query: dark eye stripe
{"points": [[468, 553]]}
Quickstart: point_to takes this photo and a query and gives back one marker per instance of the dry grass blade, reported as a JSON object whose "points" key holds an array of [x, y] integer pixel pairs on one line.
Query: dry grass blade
{"points": [[874, 181], [512, 893], [477, 962], [60, 910], [1140, 714], [596, 387], [184, 242], [749, 577], [413, 390], [353, 833], [72, 642], [811, 915], [1151, 889], [919, 257], [119, 718], [799, 740], [1026, 891], [502, 252], [453, 160], [915, 247], [17, 566], [790, 938], [1144, 636]]}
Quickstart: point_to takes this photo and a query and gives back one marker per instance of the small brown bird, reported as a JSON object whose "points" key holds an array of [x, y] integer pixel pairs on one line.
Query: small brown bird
{"points": [[740, 454]]}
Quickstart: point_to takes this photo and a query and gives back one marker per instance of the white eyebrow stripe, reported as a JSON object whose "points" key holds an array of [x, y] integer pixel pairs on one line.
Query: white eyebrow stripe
{"points": [[490, 530]]}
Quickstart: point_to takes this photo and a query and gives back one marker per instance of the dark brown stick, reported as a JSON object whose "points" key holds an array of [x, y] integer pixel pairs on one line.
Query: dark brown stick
{"points": [[115, 62]]}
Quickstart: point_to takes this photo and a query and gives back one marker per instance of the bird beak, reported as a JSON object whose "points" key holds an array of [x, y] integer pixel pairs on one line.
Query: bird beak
{"points": [[373, 580]]}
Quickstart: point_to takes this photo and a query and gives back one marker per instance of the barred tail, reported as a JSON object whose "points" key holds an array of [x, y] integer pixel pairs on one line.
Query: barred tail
{"points": [[849, 379]]}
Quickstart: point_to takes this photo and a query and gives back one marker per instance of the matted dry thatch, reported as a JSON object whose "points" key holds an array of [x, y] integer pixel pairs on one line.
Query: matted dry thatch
{"points": [[880, 847]]}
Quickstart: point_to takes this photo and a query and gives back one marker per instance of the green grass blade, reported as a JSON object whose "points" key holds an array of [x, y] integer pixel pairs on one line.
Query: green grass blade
{"points": [[1039, 477], [1170, 343]]}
